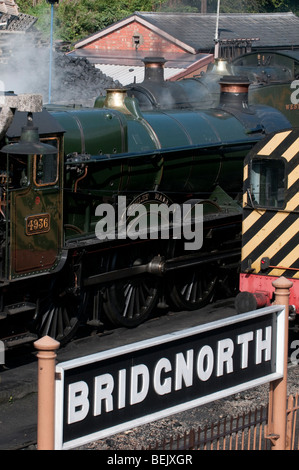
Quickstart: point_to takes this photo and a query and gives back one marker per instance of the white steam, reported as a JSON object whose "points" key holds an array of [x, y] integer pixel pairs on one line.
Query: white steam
{"points": [[24, 68]]}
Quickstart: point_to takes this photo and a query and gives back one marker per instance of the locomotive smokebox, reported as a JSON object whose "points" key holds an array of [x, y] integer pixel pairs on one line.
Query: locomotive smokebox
{"points": [[234, 91]]}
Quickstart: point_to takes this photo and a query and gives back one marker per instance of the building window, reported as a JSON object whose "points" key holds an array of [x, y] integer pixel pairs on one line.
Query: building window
{"points": [[137, 40]]}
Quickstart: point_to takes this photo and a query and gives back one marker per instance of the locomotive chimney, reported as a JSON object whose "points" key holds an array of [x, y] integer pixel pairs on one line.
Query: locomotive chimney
{"points": [[234, 91], [154, 69]]}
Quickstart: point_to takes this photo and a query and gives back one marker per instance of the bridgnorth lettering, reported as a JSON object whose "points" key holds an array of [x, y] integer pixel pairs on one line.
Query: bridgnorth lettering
{"points": [[169, 374]]}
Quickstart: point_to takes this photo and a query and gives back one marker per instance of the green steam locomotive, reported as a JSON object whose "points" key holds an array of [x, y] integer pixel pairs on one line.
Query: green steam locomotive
{"points": [[90, 200]]}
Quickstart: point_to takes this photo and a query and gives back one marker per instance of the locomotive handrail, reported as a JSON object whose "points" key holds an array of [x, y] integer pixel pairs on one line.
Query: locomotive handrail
{"points": [[228, 146]]}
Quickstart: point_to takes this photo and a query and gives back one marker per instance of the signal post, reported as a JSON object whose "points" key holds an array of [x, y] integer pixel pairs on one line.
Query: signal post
{"points": [[278, 388]]}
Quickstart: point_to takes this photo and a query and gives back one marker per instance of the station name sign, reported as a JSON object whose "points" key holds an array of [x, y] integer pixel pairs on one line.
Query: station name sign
{"points": [[108, 392]]}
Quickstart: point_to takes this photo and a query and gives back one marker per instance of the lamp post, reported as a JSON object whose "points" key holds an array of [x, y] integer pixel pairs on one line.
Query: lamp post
{"points": [[51, 45]]}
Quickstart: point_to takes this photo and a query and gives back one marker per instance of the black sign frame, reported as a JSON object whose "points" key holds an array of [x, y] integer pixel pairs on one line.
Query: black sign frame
{"points": [[112, 391]]}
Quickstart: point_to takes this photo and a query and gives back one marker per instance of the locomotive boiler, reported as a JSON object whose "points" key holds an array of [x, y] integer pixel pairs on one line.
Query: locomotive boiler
{"points": [[57, 271]]}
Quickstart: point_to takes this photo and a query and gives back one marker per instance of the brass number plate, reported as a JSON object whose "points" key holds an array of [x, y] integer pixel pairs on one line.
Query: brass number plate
{"points": [[37, 224]]}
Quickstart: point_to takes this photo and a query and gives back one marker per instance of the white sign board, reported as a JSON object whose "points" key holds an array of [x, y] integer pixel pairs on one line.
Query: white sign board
{"points": [[109, 392]]}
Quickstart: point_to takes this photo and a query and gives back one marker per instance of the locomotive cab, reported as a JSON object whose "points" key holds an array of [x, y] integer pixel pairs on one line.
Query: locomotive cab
{"points": [[31, 196], [270, 229], [268, 183]]}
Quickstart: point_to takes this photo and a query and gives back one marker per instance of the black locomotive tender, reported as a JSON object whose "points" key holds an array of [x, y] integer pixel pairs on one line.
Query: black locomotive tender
{"points": [[56, 273]]}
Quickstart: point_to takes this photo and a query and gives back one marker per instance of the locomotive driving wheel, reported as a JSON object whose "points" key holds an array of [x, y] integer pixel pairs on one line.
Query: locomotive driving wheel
{"points": [[59, 312], [192, 288], [129, 302]]}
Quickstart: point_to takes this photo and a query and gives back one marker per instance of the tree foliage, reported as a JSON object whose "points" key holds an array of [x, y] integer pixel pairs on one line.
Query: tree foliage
{"points": [[75, 19], [233, 6]]}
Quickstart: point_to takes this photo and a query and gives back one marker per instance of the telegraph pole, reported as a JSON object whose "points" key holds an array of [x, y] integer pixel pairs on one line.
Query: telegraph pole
{"points": [[216, 53], [51, 45]]}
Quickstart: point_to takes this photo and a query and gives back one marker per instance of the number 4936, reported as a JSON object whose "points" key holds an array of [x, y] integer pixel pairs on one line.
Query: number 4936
{"points": [[37, 224]]}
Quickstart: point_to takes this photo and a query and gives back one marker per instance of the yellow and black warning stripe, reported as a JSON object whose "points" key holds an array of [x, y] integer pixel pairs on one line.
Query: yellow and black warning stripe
{"points": [[271, 233]]}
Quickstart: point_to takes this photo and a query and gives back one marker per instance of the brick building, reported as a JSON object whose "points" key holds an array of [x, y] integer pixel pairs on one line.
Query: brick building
{"points": [[186, 41]]}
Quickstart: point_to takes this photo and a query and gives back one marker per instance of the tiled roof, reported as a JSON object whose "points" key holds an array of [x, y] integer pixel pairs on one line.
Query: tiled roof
{"points": [[9, 7], [129, 66], [21, 23], [127, 74], [272, 29], [197, 31], [132, 57], [12, 20], [195, 34]]}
